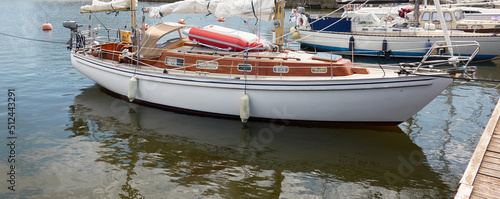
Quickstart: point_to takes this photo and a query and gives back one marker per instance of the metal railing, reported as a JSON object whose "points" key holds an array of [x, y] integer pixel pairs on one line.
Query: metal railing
{"points": [[440, 50]]}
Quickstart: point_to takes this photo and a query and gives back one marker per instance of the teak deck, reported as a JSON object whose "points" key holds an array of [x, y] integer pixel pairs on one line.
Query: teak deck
{"points": [[482, 176]]}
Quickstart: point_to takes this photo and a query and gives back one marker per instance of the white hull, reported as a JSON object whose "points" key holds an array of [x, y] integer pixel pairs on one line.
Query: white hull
{"points": [[401, 46], [343, 99], [470, 12]]}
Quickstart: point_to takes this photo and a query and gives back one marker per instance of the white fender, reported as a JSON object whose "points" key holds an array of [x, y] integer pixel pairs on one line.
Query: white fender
{"points": [[132, 88], [244, 108]]}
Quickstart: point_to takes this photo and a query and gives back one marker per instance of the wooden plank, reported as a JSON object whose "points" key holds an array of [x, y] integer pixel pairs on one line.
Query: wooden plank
{"points": [[492, 180], [488, 172], [485, 192], [476, 197], [492, 166], [495, 141], [486, 185], [494, 148], [496, 128], [477, 194], [496, 134], [493, 160], [492, 154]]}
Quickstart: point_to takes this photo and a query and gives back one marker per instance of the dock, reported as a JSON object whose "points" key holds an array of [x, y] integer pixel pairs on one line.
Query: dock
{"points": [[482, 176]]}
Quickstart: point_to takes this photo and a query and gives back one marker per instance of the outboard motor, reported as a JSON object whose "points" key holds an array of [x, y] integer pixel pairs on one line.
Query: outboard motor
{"points": [[73, 26]]}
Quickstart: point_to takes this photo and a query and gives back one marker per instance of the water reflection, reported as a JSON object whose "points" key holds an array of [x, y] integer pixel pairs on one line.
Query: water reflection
{"points": [[217, 157], [449, 128]]}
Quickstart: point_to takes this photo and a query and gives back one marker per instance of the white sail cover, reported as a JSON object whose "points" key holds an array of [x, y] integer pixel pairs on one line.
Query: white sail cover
{"points": [[183, 7], [99, 6], [262, 9]]}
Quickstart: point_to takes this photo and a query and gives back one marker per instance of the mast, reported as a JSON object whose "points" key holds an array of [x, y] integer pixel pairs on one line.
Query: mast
{"points": [[133, 20], [443, 26], [278, 22], [416, 10]]}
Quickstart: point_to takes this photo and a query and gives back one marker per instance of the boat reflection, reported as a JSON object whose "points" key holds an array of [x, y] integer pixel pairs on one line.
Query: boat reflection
{"points": [[218, 157]]}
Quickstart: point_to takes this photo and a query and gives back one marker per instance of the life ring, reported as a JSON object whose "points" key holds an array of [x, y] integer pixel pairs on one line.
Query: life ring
{"points": [[302, 21]]}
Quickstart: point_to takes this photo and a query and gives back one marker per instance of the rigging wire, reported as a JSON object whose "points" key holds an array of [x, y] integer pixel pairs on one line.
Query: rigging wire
{"points": [[100, 21], [31, 39]]}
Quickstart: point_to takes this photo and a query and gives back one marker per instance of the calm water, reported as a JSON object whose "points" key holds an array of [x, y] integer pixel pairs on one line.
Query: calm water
{"points": [[74, 140]]}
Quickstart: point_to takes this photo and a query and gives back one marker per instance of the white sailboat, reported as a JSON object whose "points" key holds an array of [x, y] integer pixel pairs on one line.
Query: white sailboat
{"points": [[365, 34], [285, 85]]}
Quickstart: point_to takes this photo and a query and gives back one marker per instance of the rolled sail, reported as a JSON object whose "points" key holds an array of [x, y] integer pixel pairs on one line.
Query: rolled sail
{"points": [[114, 5], [183, 7], [262, 9]]}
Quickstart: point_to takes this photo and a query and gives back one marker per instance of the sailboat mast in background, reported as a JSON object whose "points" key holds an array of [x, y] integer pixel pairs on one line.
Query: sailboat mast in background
{"points": [[278, 23]]}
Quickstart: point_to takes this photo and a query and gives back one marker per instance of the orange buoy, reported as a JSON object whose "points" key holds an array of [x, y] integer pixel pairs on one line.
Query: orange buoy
{"points": [[47, 26], [221, 19], [182, 21]]}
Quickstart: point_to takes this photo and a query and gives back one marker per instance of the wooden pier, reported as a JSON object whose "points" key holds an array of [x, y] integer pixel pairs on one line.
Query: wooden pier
{"points": [[482, 176]]}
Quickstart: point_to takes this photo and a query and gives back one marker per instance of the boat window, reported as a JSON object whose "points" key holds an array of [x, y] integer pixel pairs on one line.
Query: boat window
{"points": [[174, 61], [202, 64], [280, 69], [435, 16], [447, 16], [243, 67], [426, 16], [319, 70], [459, 15], [167, 39], [477, 27]]}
